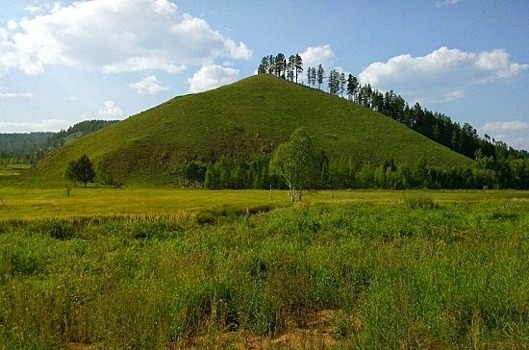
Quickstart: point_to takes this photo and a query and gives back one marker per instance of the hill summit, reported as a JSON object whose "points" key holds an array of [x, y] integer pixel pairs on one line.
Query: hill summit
{"points": [[248, 118]]}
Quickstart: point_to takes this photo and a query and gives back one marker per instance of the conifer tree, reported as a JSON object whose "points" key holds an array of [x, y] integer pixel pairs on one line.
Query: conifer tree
{"points": [[320, 74], [280, 64], [298, 66], [81, 170]]}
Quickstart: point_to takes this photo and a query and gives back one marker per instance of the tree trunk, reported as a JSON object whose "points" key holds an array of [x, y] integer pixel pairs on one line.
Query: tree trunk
{"points": [[291, 194]]}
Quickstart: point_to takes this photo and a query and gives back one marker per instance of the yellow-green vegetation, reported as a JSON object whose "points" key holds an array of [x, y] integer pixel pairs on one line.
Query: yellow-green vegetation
{"points": [[367, 270], [245, 119], [33, 204], [13, 169], [28, 204]]}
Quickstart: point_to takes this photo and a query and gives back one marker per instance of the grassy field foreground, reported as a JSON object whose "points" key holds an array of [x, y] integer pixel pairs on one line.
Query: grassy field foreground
{"points": [[404, 271]]}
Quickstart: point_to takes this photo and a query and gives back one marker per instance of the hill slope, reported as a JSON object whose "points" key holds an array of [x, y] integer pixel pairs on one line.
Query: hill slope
{"points": [[249, 117]]}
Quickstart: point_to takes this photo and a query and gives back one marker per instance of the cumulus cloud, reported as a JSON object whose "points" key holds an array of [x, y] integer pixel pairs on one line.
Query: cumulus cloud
{"points": [[150, 85], [238, 51], [113, 36], [441, 75], [52, 125], [212, 76], [110, 109], [316, 55], [514, 133]]}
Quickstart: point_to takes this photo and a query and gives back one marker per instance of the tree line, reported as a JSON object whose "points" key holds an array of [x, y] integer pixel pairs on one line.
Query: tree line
{"points": [[18, 148], [28, 148], [233, 173], [282, 67]]}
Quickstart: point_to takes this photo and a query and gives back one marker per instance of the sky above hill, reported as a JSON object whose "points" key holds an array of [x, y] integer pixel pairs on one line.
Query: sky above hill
{"points": [[62, 62]]}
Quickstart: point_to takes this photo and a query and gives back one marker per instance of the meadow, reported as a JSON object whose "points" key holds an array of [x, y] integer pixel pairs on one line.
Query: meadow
{"points": [[12, 170], [26, 203], [156, 268]]}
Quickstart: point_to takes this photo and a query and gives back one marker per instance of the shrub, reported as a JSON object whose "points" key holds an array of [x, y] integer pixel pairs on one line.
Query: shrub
{"points": [[55, 229], [421, 201]]}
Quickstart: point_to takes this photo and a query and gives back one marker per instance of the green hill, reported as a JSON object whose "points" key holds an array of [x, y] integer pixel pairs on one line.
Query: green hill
{"points": [[252, 116]]}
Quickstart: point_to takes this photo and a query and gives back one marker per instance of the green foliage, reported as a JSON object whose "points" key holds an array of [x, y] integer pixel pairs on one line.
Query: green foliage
{"points": [[298, 163], [278, 65], [104, 176], [232, 173], [345, 174], [81, 170], [23, 148], [55, 229], [191, 174]]}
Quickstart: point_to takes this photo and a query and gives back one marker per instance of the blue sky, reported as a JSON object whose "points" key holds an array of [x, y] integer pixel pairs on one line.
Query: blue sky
{"points": [[62, 62]]}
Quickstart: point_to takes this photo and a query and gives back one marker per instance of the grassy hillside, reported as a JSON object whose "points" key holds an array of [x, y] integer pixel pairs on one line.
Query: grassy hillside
{"points": [[252, 116]]}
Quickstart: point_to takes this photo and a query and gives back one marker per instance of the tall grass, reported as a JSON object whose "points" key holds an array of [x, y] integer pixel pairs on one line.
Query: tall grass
{"points": [[353, 275]]}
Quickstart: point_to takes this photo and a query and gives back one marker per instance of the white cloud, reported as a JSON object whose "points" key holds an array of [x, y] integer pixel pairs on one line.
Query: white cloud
{"points": [[513, 133], [138, 64], [150, 85], [238, 51], [505, 126], [212, 76], [316, 55], [453, 95], [43, 125], [441, 3], [498, 64], [113, 36], [12, 25], [15, 94], [110, 109], [441, 75], [33, 9]]}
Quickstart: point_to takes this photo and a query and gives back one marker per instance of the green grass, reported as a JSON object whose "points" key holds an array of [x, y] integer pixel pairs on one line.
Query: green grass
{"points": [[348, 269], [252, 116]]}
